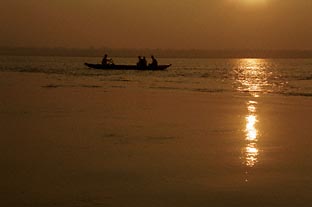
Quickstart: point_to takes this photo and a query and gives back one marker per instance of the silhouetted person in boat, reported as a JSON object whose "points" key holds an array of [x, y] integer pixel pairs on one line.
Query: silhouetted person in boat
{"points": [[107, 61], [139, 63], [154, 63], [142, 63]]}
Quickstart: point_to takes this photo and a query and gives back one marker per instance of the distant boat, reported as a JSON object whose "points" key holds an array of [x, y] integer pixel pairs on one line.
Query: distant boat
{"points": [[125, 67]]}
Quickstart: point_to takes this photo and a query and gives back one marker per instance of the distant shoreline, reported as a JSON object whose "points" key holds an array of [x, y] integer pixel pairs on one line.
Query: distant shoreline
{"points": [[161, 53]]}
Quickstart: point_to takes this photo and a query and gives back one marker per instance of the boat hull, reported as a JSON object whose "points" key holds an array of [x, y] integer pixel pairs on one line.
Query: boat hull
{"points": [[125, 67]]}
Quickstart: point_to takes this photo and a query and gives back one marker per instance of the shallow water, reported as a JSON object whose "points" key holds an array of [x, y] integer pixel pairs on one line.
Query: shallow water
{"points": [[224, 132]]}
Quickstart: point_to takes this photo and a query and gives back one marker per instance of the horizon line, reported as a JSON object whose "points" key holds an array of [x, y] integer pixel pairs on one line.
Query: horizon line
{"points": [[133, 48], [169, 53]]}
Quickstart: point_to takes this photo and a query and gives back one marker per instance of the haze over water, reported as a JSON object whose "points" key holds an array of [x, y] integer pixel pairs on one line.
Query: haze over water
{"points": [[177, 24]]}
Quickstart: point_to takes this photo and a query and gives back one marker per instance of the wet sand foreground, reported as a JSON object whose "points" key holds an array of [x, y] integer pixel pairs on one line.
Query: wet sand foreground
{"points": [[84, 142]]}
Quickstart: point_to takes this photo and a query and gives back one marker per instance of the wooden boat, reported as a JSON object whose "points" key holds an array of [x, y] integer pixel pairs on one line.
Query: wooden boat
{"points": [[125, 67]]}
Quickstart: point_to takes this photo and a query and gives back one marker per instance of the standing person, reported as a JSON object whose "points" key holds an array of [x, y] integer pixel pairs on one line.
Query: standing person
{"points": [[106, 60], [154, 63]]}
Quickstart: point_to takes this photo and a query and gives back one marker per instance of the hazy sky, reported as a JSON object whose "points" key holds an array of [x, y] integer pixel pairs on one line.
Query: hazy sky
{"points": [[181, 24]]}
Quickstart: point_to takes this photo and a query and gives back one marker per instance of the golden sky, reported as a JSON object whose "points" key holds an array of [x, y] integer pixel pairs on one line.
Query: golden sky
{"points": [[178, 24]]}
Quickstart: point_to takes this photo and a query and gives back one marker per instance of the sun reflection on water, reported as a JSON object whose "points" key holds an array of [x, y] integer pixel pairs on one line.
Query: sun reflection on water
{"points": [[251, 130], [251, 150], [252, 78]]}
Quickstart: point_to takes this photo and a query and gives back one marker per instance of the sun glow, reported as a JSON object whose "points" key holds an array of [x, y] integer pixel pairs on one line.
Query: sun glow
{"points": [[249, 2]]}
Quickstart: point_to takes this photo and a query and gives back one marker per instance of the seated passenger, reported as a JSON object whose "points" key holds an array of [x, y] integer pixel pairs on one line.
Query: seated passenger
{"points": [[107, 61], [142, 63], [154, 63], [139, 63]]}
